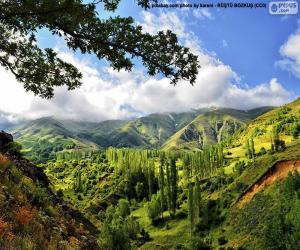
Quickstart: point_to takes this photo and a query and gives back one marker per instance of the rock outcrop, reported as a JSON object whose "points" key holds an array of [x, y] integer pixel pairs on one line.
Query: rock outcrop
{"points": [[5, 139]]}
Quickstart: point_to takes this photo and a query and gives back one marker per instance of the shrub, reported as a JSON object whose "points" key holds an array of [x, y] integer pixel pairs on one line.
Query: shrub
{"points": [[153, 208], [196, 243], [262, 151], [14, 148], [25, 215], [5, 227], [3, 160], [124, 207]]}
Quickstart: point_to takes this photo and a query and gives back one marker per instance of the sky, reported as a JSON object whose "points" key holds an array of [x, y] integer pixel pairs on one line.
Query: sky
{"points": [[248, 59]]}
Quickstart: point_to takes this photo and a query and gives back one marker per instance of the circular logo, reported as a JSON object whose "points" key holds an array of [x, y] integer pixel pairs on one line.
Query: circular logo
{"points": [[274, 7]]}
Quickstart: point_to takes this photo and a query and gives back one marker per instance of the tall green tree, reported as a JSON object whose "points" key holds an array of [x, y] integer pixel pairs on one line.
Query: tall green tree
{"points": [[252, 149], [191, 206], [197, 201], [117, 39], [162, 183], [174, 188], [169, 189]]}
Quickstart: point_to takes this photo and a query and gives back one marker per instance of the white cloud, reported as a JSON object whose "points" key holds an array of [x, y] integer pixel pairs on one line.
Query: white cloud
{"points": [[203, 14], [126, 94], [291, 53]]}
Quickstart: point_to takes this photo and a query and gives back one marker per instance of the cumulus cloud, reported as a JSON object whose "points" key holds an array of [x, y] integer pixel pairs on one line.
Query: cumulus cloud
{"points": [[107, 94], [291, 53]]}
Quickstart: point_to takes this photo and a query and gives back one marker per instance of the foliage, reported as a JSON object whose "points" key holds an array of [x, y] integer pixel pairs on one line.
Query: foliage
{"points": [[153, 208], [124, 208], [118, 230], [282, 228], [25, 214], [14, 148], [115, 39]]}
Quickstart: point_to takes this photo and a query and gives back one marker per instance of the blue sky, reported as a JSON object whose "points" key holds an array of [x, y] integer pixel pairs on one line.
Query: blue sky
{"points": [[253, 39], [248, 57]]}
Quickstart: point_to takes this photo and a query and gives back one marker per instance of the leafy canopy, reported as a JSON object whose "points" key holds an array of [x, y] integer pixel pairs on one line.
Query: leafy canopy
{"points": [[117, 39]]}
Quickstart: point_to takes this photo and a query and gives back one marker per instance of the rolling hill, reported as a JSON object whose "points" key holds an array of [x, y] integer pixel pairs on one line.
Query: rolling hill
{"points": [[43, 137]]}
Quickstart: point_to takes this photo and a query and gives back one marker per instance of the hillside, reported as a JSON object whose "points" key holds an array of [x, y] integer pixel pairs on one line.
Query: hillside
{"points": [[150, 131], [212, 127], [146, 132], [43, 137], [283, 122], [32, 216]]}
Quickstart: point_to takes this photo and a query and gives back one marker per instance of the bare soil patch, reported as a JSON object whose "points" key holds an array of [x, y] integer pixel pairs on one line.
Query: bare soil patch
{"points": [[278, 172]]}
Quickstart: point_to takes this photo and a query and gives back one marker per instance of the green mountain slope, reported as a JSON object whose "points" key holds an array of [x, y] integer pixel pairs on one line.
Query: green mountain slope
{"points": [[153, 130], [43, 137], [211, 127], [284, 120]]}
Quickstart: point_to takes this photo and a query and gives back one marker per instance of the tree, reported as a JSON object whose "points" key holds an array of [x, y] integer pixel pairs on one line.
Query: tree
{"points": [[116, 39], [174, 188], [162, 184], [252, 149], [276, 143], [169, 189], [248, 150], [197, 201], [191, 206], [78, 184]]}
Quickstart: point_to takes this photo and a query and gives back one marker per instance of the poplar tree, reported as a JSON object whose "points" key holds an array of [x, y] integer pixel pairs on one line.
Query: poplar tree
{"points": [[162, 183], [197, 201], [248, 150], [169, 189], [174, 188], [252, 149], [191, 206]]}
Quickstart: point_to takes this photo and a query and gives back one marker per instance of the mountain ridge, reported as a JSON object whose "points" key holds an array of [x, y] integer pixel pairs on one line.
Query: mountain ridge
{"points": [[44, 137]]}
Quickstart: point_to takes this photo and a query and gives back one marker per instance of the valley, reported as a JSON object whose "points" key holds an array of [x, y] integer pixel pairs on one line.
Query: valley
{"points": [[206, 180]]}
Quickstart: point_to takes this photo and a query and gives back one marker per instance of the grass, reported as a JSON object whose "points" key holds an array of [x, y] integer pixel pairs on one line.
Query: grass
{"points": [[167, 235]]}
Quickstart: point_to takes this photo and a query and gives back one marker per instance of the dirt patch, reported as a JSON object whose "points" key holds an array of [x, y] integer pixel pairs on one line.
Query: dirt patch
{"points": [[278, 172]]}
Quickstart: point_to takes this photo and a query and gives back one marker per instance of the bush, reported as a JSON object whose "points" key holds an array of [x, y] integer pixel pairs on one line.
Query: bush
{"points": [[262, 151], [153, 208], [197, 244], [124, 208], [14, 148]]}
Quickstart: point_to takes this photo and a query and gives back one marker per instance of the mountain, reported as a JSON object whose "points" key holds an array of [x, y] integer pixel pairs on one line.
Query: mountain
{"points": [[149, 131], [43, 137], [212, 127]]}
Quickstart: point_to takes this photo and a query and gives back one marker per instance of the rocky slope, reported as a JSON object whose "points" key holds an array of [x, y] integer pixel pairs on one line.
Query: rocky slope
{"points": [[32, 216]]}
